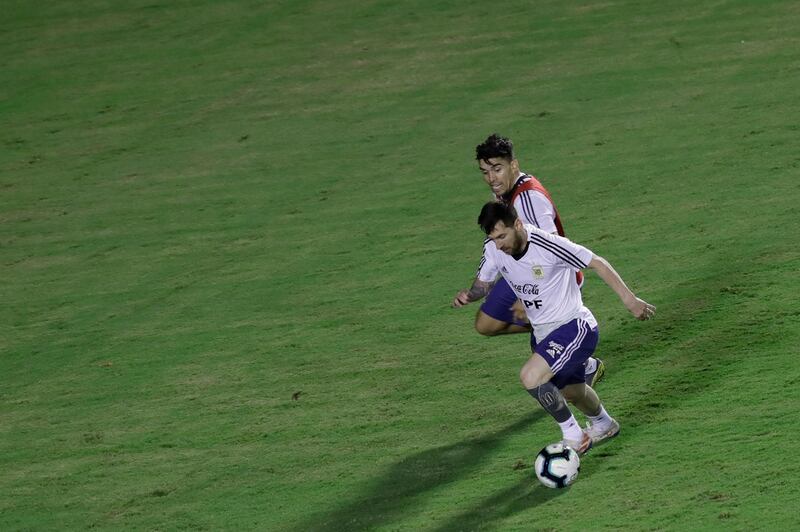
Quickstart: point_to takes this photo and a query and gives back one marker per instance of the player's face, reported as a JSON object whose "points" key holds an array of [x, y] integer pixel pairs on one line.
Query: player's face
{"points": [[509, 240], [500, 174]]}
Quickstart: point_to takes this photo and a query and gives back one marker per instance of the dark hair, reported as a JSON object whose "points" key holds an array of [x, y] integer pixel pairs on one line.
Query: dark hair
{"points": [[495, 146], [494, 212]]}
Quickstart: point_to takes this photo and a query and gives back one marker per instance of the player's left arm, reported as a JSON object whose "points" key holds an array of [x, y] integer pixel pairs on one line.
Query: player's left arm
{"points": [[641, 309]]}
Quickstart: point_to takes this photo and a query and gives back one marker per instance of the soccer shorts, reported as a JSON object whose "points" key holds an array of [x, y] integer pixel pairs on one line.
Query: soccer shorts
{"points": [[566, 350], [499, 301]]}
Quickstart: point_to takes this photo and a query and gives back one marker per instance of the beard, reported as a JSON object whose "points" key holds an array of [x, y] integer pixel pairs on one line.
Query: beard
{"points": [[519, 244]]}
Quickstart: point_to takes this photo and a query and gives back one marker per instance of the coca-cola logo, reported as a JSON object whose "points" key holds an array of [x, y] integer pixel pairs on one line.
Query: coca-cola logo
{"points": [[527, 289]]}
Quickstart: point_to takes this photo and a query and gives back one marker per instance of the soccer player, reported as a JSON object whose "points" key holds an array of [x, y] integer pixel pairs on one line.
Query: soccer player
{"points": [[500, 313], [540, 268]]}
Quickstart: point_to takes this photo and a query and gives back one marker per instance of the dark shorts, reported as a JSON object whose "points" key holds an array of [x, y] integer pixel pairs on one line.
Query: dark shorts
{"points": [[566, 350], [499, 301]]}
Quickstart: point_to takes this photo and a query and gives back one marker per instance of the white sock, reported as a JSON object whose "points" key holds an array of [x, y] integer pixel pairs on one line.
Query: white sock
{"points": [[591, 365], [602, 419], [571, 430]]}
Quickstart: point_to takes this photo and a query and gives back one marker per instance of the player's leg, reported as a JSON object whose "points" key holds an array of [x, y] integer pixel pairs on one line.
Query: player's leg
{"points": [[489, 326], [551, 399], [535, 372], [495, 315], [601, 425], [583, 398], [573, 344], [536, 377], [565, 351], [594, 371]]}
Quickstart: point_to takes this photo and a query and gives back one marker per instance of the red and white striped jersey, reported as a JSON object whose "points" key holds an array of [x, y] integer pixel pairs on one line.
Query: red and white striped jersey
{"points": [[533, 204]]}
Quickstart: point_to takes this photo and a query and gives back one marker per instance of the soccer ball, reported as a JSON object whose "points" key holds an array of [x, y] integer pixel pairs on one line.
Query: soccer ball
{"points": [[557, 465]]}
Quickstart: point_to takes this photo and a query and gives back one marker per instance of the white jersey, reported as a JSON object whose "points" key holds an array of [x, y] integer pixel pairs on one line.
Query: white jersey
{"points": [[543, 278]]}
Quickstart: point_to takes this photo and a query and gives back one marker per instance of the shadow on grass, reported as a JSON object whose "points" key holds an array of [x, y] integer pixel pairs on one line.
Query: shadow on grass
{"points": [[405, 484], [523, 495]]}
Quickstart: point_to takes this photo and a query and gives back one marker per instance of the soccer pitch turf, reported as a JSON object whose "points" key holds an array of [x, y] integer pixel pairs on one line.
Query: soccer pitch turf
{"points": [[230, 233]]}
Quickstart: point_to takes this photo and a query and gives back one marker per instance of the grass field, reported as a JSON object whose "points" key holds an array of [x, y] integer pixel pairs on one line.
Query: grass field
{"points": [[230, 233]]}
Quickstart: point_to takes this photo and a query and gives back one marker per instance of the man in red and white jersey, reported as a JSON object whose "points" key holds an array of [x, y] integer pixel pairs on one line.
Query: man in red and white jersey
{"points": [[540, 268], [534, 206]]}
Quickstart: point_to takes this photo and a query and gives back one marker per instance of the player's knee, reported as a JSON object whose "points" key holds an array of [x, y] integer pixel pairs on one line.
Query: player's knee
{"points": [[531, 378], [487, 327]]}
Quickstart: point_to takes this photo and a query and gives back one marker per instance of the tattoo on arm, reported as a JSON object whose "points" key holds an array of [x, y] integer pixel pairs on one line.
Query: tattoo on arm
{"points": [[479, 289]]}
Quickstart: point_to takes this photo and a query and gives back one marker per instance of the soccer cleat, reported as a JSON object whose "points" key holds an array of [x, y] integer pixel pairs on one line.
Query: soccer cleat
{"points": [[595, 376], [580, 447], [601, 434]]}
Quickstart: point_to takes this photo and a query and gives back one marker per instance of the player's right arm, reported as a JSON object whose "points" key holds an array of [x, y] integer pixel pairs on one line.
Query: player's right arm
{"points": [[478, 290], [484, 279]]}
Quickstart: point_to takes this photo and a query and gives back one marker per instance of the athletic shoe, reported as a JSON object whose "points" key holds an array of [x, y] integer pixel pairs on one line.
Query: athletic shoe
{"points": [[580, 447], [599, 434], [595, 376]]}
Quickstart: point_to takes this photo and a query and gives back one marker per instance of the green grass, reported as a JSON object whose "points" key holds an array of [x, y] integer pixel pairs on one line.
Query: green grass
{"points": [[230, 233]]}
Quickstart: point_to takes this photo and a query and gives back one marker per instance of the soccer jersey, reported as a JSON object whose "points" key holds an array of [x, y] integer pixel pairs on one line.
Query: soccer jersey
{"points": [[533, 204], [543, 278]]}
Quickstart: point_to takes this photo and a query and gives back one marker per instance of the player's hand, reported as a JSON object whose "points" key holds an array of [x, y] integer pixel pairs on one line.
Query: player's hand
{"points": [[518, 310], [461, 299], [642, 310]]}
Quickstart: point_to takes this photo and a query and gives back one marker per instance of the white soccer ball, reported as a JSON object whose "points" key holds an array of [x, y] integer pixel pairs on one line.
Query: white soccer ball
{"points": [[557, 465]]}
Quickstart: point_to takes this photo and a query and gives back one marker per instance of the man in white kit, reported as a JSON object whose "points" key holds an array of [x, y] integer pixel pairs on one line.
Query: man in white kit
{"points": [[540, 267]]}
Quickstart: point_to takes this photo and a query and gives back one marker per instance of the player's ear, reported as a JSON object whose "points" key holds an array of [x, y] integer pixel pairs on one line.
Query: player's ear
{"points": [[515, 165], [518, 224]]}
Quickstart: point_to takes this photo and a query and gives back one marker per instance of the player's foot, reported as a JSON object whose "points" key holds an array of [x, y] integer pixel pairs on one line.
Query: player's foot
{"points": [[601, 433], [580, 447], [595, 376]]}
